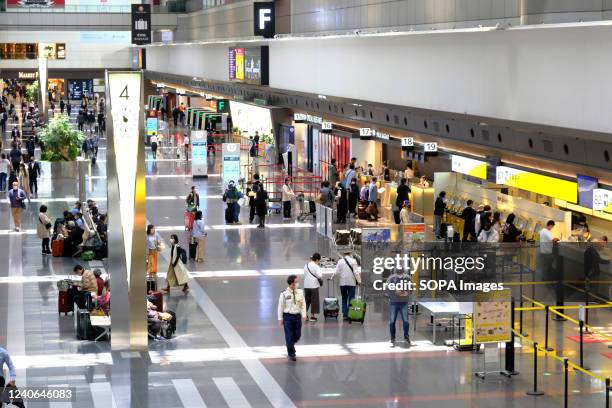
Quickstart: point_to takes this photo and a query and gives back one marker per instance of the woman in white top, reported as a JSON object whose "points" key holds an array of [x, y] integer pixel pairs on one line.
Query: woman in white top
{"points": [[199, 235], [43, 226], [405, 213], [488, 234], [24, 180], [313, 276], [287, 196]]}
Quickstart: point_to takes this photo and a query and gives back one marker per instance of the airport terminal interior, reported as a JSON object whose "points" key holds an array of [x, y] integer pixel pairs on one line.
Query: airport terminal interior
{"points": [[305, 203]]}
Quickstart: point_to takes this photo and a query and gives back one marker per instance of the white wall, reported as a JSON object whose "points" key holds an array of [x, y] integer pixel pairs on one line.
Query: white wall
{"points": [[206, 62], [81, 55]]}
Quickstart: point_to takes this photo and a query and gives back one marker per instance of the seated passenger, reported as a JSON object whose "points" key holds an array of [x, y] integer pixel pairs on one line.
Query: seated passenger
{"points": [[103, 299], [73, 240], [81, 291]]}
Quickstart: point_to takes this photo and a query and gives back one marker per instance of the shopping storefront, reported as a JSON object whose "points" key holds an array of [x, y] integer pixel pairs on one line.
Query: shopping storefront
{"points": [[72, 84]]}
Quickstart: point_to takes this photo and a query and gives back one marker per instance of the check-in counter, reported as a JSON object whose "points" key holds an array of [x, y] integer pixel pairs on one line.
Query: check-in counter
{"points": [[574, 261], [423, 202]]}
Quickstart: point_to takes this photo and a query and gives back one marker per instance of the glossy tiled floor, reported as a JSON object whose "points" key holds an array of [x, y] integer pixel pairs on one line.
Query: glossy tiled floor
{"points": [[229, 350]]}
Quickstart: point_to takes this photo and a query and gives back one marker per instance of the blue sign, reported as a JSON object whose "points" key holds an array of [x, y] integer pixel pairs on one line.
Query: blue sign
{"points": [[199, 153]]}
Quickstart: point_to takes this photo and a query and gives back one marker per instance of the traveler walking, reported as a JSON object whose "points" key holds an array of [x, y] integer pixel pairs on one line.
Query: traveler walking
{"points": [[326, 197], [439, 209], [186, 142], [261, 205], [349, 277], [24, 180], [199, 234], [43, 229], [231, 197], [30, 147], [5, 168], [251, 192], [62, 106], [33, 174], [177, 274], [17, 199], [15, 155], [313, 279], [68, 109], [403, 194], [353, 194], [5, 358], [287, 196], [153, 142], [193, 199], [469, 215], [398, 303], [291, 311], [154, 246]]}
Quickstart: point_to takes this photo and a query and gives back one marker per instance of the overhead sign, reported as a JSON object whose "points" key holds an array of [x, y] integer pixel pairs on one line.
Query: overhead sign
{"points": [[264, 19], [368, 133], [471, 167], [327, 127], [231, 162], [537, 183], [408, 142], [430, 147], [305, 118], [141, 24], [199, 153], [223, 106], [602, 200], [36, 3]]}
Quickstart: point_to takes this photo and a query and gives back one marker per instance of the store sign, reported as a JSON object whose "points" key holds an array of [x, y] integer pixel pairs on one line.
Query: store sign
{"points": [[602, 200], [305, 118], [231, 162], [36, 3], [408, 142], [27, 75], [430, 147], [264, 19], [538, 183], [125, 89], [199, 153], [141, 24], [471, 167]]}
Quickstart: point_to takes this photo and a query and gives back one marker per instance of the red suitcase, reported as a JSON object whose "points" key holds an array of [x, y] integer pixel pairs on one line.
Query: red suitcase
{"points": [[189, 218], [159, 300], [65, 303], [57, 247]]}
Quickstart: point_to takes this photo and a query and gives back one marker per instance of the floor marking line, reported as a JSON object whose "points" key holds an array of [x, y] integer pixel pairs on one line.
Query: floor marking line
{"points": [[102, 395], [188, 393], [231, 392], [15, 337]]}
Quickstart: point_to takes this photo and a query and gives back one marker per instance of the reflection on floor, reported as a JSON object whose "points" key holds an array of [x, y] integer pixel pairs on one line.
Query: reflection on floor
{"points": [[229, 350]]}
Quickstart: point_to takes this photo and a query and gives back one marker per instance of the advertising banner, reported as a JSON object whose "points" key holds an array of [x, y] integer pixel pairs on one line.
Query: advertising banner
{"points": [[36, 3], [79, 87], [414, 233], [141, 24], [602, 200], [231, 162], [538, 183], [492, 322], [239, 64], [376, 235], [199, 153], [152, 122], [471, 167]]}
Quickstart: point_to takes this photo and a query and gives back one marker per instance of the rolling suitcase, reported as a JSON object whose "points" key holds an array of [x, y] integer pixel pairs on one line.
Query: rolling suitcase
{"points": [[65, 303], [229, 215], [151, 285], [189, 218], [357, 309], [157, 299], [193, 247], [57, 248], [87, 256], [361, 212], [331, 307], [83, 324]]}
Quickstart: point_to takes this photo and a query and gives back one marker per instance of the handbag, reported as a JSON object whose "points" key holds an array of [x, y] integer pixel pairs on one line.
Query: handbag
{"points": [[318, 279]]}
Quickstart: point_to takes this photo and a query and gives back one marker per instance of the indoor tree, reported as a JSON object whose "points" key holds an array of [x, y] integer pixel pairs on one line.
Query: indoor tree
{"points": [[31, 92], [60, 140]]}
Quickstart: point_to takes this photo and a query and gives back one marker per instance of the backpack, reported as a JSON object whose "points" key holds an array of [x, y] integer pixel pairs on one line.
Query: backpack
{"points": [[183, 255]]}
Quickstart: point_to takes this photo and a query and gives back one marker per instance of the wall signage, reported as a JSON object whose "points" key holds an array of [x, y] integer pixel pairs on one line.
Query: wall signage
{"points": [[369, 133], [305, 118], [408, 142], [602, 200], [471, 167], [223, 106], [430, 147], [538, 183], [327, 127], [27, 75], [264, 19], [36, 3], [141, 24], [249, 65]]}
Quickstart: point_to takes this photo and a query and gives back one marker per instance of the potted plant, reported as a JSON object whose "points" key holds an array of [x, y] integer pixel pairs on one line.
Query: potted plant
{"points": [[31, 93], [60, 140]]}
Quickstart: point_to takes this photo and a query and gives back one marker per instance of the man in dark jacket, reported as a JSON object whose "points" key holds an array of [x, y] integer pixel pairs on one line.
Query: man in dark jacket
{"points": [[403, 194], [261, 204], [33, 173], [469, 229], [439, 209]]}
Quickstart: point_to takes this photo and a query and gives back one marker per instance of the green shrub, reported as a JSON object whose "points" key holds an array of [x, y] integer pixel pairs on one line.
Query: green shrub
{"points": [[61, 140]]}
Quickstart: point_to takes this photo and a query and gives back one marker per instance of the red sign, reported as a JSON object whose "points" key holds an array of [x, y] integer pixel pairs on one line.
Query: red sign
{"points": [[36, 3]]}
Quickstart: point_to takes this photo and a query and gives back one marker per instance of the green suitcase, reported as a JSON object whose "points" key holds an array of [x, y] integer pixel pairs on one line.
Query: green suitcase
{"points": [[357, 310], [87, 256]]}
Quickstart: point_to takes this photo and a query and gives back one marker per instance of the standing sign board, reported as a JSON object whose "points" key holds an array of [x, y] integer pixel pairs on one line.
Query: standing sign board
{"points": [[152, 122], [141, 24], [231, 162], [199, 153], [492, 319]]}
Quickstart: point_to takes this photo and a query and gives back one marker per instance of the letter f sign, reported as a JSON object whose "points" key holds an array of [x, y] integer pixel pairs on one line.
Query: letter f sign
{"points": [[265, 15]]}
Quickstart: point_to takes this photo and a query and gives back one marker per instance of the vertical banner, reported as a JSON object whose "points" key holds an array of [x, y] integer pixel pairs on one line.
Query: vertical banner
{"points": [[231, 162], [141, 24], [43, 78], [126, 208], [199, 153]]}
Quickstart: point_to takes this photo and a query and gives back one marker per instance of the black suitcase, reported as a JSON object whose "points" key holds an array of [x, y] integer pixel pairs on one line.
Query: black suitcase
{"points": [[331, 306], [93, 160], [151, 285], [83, 324], [193, 247], [229, 215]]}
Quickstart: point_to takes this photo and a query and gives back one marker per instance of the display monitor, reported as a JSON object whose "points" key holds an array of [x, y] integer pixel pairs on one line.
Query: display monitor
{"points": [[586, 185]]}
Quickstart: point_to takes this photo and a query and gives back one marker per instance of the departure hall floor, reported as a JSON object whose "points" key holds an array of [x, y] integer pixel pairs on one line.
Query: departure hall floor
{"points": [[229, 350]]}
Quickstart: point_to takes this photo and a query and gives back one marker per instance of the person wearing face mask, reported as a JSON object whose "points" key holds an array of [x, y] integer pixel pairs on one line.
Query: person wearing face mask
{"points": [[177, 274], [17, 198], [291, 312], [353, 197]]}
